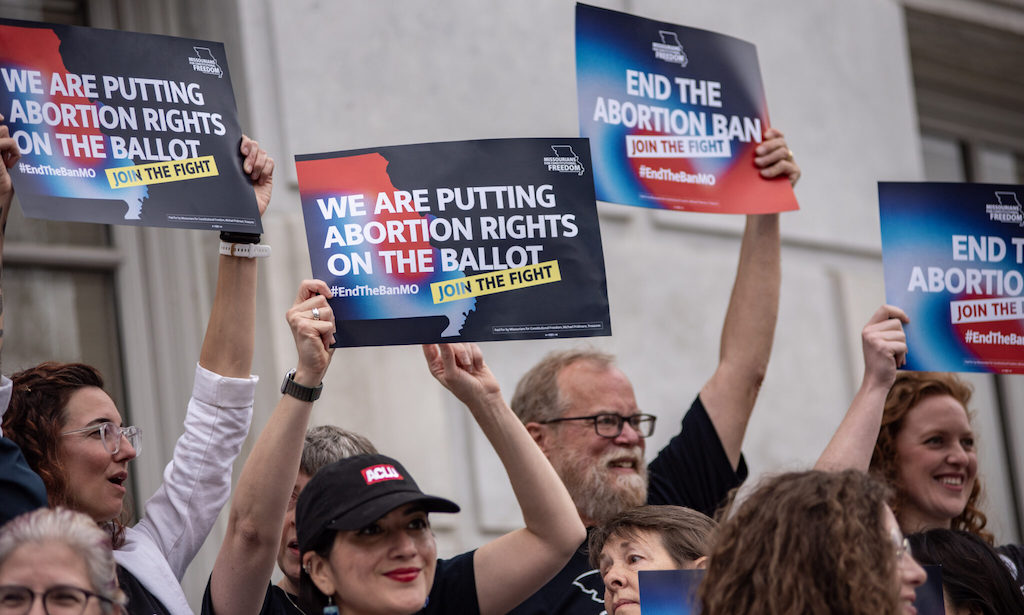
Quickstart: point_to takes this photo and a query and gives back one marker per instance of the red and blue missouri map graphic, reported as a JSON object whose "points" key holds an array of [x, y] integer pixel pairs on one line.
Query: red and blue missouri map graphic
{"points": [[45, 168], [458, 241], [370, 291], [119, 127]]}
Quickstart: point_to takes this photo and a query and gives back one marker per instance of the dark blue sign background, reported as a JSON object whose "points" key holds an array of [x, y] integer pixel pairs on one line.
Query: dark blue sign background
{"points": [[952, 256], [669, 86], [155, 99]]}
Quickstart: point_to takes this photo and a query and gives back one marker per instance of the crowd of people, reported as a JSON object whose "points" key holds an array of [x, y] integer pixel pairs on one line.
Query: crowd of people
{"points": [[349, 528]]}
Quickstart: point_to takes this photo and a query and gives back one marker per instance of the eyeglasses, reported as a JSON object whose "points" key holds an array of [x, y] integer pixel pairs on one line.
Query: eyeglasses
{"points": [[111, 436], [902, 548], [900, 543], [57, 600], [609, 425]]}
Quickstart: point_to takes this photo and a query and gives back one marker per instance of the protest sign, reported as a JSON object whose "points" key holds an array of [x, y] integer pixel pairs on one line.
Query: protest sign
{"points": [[123, 128], [460, 241], [669, 592], [953, 258], [674, 592], [928, 596], [673, 115]]}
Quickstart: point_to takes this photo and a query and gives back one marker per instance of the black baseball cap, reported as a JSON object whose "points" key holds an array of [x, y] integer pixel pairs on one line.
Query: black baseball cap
{"points": [[352, 493]]}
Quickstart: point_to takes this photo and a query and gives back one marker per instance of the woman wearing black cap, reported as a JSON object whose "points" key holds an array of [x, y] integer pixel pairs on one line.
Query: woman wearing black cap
{"points": [[365, 538]]}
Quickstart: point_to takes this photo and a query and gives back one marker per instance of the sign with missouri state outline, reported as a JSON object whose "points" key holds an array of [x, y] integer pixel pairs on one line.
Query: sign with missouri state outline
{"points": [[459, 241], [123, 128], [953, 255], [674, 115]]}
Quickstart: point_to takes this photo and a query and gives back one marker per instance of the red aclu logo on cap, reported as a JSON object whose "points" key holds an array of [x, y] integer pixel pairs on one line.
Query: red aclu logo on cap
{"points": [[384, 471]]}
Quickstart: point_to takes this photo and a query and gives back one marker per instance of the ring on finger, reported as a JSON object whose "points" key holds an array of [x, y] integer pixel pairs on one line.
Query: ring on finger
{"points": [[316, 313], [789, 154]]}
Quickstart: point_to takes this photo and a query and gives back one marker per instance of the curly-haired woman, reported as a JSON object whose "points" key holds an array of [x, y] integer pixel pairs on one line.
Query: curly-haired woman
{"points": [[811, 542]]}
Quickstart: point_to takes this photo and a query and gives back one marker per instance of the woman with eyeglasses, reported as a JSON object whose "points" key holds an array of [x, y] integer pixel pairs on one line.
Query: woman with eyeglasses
{"points": [[61, 560], [73, 436], [811, 542]]}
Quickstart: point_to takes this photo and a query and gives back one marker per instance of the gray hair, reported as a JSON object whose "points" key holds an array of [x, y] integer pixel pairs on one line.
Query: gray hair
{"points": [[79, 533], [327, 443], [537, 397]]}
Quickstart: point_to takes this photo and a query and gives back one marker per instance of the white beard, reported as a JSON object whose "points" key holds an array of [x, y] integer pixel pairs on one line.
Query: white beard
{"points": [[596, 492]]}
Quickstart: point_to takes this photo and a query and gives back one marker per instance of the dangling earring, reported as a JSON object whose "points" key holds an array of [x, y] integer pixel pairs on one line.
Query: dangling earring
{"points": [[330, 609]]}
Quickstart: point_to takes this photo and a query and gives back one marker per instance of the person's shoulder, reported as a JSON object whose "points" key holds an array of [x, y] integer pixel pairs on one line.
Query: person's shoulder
{"points": [[280, 602], [454, 589]]}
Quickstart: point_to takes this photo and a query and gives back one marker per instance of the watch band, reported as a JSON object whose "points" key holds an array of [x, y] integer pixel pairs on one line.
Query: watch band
{"points": [[298, 391], [236, 237], [244, 250]]}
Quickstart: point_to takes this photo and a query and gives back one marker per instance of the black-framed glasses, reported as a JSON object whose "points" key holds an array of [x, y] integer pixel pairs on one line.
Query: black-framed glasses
{"points": [[609, 425], [57, 600], [111, 435]]}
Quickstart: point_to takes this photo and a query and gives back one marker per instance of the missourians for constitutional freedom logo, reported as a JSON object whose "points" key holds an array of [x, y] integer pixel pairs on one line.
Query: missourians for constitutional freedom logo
{"points": [[1007, 208], [204, 62], [670, 49], [565, 160]]}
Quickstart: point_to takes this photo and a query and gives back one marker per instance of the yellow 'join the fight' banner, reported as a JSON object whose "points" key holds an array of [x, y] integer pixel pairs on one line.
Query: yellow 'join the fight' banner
{"points": [[161, 172], [495, 282]]}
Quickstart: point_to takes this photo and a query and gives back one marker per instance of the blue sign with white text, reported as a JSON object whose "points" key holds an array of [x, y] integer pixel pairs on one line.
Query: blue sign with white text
{"points": [[673, 115], [953, 258]]}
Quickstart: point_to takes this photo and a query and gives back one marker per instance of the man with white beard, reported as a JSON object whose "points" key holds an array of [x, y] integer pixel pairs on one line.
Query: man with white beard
{"points": [[580, 409]]}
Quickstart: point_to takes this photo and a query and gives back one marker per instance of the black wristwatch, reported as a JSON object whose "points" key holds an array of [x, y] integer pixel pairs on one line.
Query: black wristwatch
{"points": [[298, 391]]}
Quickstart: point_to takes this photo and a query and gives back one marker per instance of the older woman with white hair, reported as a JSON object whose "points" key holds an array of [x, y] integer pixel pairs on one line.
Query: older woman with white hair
{"points": [[61, 558]]}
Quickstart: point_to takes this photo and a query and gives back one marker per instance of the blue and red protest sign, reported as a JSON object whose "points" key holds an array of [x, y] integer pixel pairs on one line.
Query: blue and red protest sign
{"points": [[460, 241], [673, 115], [953, 257], [123, 128]]}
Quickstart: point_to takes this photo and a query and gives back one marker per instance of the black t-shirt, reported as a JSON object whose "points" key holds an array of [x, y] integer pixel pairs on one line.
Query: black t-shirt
{"points": [[140, 601], [693, 470], [1013, 557], [453, 591], [275, 602]]}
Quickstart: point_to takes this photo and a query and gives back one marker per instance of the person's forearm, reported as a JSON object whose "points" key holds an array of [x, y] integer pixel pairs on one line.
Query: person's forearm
{"points": [[747, 334], [247, 556], [548, 511], [749, 328], [228, 344], [854, 440], [514, 566]]}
